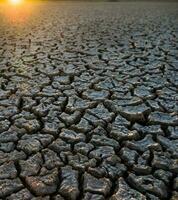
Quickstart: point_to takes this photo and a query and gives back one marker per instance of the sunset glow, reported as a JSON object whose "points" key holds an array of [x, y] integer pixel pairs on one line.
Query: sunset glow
{"points": [[17, 11], [15, 2]]}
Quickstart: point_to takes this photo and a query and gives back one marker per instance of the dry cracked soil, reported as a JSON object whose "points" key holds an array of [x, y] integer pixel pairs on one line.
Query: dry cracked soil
{"points": [[89, 101]]}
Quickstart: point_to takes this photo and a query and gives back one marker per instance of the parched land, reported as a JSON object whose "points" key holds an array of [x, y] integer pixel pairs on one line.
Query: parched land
{"points": [[89, 101]]}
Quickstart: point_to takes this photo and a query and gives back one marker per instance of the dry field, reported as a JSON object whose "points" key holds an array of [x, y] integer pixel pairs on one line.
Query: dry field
{"points": [[89, 101]]}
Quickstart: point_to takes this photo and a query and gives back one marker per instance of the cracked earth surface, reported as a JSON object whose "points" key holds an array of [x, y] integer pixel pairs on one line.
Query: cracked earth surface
{"points": [[89, 102]]}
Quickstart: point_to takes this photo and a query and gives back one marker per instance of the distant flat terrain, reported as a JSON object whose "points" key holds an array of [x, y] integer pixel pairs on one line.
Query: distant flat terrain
{"points": [[89, 101]]}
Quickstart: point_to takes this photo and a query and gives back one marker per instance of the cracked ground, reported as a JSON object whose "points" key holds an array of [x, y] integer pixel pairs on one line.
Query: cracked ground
{"points": [[89, 102]]}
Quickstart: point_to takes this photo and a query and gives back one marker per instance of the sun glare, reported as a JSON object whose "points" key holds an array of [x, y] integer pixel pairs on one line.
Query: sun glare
{"points": [[15, 2], [17, 12]]}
